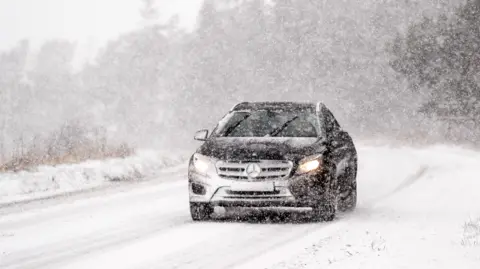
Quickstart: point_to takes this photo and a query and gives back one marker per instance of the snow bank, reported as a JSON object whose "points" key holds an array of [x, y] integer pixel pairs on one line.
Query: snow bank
{"points": [[46, 181]]}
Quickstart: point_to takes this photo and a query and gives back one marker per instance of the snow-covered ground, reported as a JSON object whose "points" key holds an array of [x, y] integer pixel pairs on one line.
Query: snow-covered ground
{"points": [[47, 181], [418, 208]]}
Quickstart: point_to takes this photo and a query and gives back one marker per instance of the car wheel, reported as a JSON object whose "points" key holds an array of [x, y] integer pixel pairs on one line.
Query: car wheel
{"points": [[347, 193], [347, 202], [200, 211], [324, 210]]}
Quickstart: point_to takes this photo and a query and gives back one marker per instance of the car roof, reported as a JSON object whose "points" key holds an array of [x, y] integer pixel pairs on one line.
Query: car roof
{"points": [[286, 105]]}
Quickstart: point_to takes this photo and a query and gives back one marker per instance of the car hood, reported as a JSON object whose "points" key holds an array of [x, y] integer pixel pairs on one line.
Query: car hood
{"points": [[268, 148]]}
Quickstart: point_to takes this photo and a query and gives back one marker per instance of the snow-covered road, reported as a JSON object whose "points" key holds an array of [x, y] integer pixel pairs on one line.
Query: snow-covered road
{"points": [[413, 209]]}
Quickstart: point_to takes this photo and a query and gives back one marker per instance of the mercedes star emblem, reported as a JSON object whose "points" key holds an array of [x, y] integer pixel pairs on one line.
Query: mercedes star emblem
{"points": [[253, 170]]}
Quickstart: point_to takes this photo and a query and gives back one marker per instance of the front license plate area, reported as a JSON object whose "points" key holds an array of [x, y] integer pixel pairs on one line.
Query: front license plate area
{"points": [[253, 186]]}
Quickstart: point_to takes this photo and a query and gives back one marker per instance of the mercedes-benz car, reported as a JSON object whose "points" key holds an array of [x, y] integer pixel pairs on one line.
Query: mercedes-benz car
{"points": [[274, 154]]}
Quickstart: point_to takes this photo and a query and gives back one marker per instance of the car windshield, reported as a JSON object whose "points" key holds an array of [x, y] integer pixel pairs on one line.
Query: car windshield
{"points": [[264, 123]]}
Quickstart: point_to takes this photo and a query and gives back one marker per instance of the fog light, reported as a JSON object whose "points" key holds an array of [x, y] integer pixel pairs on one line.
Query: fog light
{"points": [[198, 189]]}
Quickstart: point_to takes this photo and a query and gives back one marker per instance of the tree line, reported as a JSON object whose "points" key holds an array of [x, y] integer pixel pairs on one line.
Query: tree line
{"points": [[159, 83]]}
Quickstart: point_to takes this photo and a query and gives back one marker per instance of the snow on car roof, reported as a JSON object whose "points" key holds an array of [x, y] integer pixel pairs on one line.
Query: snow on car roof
{"points": [[274, 106]]}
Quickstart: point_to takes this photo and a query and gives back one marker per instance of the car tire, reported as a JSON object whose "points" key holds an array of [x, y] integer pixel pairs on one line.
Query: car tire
{"points": [[200, 211], [324, 210], [348, 203], [347, 195]]}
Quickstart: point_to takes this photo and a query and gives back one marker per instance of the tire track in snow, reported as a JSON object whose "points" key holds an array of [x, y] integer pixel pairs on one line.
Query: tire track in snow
{"points": [[248, 242], [55, 254], [137, 195], [76, 212], [269, 251], [245, 243], [116, 234], [407, 182], [193, 254]]}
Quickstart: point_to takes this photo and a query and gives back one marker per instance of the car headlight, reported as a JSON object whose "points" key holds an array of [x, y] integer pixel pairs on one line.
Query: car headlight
{"points": [[309, 164], [202, 163]]}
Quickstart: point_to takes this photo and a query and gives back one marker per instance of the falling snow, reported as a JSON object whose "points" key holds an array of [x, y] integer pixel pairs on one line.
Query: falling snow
{"points": [[107, 114]]}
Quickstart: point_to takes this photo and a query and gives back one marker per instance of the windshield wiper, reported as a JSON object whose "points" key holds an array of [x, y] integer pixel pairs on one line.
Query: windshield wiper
{"points": [[231, 128], [280, 129]]}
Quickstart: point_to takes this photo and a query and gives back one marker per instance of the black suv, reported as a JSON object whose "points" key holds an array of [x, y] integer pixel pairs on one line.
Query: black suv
{"points": [[274, 154]]}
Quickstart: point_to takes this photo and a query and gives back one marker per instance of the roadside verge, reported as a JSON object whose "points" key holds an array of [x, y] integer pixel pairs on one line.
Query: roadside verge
{"points": [[48, 182]]}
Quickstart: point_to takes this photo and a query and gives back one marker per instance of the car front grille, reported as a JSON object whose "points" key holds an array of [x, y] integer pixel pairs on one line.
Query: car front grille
{"points": [[269, 170]]}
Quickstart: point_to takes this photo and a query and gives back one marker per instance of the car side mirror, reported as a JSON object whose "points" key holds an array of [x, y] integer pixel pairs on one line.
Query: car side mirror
{"points": [[201, 135]]}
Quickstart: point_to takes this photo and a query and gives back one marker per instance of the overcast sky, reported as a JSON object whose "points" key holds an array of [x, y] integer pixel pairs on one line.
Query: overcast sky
{"points": [[89, 22]]}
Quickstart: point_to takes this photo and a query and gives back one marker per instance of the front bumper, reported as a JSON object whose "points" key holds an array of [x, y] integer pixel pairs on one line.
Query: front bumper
{"points": [[218, 191]]}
